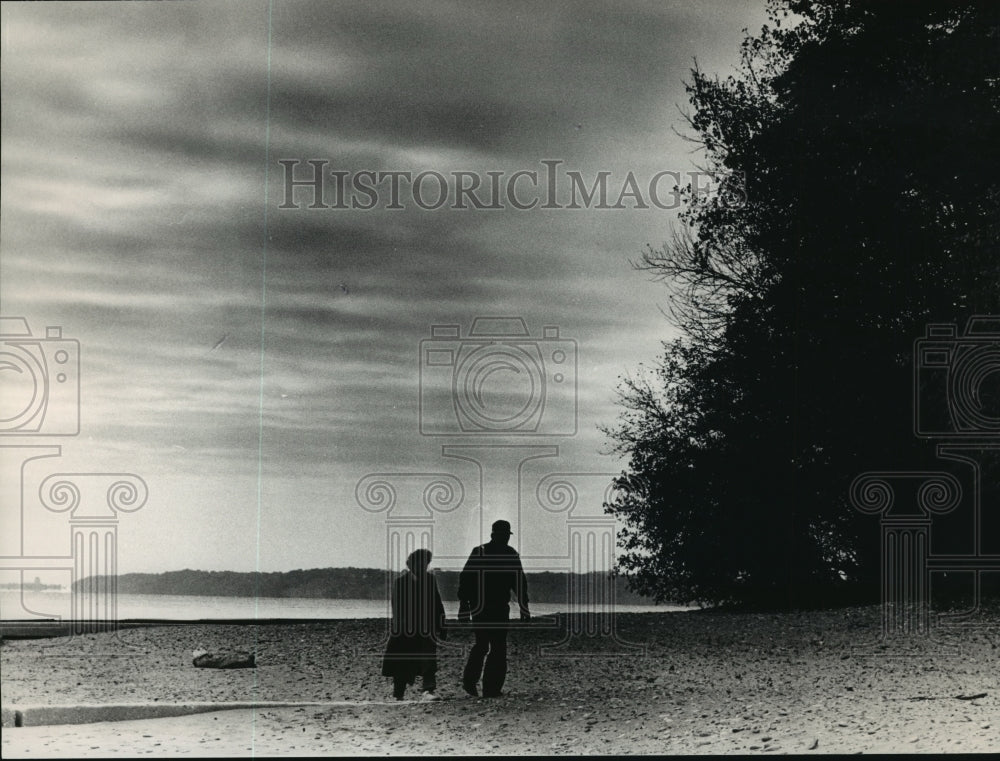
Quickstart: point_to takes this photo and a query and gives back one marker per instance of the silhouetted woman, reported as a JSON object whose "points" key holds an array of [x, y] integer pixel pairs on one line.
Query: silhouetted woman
{"points": [[417, 625]]}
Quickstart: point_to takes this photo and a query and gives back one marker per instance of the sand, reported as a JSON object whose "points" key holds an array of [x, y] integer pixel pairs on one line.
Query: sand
{"points": [[701, 682]]}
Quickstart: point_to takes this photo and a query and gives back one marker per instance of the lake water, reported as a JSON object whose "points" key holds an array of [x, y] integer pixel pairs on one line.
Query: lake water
{"points": [[56, 603]]}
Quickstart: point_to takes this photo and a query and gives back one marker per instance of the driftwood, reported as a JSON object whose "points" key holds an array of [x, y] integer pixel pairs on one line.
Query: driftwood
{"points": [[239, 659]]}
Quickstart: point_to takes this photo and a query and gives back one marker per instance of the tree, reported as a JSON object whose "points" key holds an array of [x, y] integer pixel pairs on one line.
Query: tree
{"points": [[867, 139]]}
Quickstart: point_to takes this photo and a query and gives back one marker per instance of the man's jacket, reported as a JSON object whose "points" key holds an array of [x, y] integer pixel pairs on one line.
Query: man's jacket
{"points": [[491, 573]]}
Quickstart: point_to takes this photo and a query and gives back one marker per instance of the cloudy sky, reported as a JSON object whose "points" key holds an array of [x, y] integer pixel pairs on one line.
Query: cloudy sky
{"points": [[254, 364]]}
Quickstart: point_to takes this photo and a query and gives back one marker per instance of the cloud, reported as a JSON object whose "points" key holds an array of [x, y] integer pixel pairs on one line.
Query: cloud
{"points": [[140, 212]]}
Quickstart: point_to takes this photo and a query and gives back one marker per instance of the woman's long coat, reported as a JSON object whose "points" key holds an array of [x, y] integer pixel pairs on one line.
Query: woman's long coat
{"points": [[417, 624]]}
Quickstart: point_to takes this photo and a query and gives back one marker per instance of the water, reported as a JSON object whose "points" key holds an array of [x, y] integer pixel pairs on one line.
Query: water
{"points": [[56, 603]]}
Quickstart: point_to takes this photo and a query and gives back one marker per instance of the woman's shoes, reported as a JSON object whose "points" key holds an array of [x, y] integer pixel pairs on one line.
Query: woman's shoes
{"points": [[427, 696]]}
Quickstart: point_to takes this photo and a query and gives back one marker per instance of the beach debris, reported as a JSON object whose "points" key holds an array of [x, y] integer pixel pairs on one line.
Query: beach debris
{"points": [[977, 696], [814, 744], [237, 659]]}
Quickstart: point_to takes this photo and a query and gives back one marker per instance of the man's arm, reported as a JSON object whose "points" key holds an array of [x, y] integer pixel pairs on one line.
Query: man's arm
{"points": [[468, 588], [439, 617], [521, 589]]}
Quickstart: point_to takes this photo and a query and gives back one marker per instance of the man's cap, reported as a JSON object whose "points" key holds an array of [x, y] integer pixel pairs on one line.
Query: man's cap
{"points": [[501, 527]]}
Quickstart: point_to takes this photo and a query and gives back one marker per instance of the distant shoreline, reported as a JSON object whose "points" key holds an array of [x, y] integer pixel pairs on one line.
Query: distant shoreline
{"points": [[35, 587], [36, 618], [350, 584], [50, 627]]}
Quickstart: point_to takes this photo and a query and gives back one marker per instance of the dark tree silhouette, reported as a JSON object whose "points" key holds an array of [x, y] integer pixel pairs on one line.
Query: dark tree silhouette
{"points": [[865, 138]]}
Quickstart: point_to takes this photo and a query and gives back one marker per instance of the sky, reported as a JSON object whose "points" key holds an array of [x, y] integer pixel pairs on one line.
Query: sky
{"points": [[272, 374]]}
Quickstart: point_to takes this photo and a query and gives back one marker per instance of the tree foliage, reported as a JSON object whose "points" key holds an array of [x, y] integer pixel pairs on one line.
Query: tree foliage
{"points": [[862, 142]]}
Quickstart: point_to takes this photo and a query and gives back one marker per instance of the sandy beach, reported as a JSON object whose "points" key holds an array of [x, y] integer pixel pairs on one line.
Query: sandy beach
{"points": [[698, 682]]}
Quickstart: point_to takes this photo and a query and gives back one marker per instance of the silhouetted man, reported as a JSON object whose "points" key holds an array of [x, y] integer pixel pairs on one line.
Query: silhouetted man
{"points": [[492, 572]]}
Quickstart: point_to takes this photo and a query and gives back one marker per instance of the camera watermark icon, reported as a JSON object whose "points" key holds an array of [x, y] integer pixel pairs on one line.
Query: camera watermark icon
{"points": [[496, 393], [497, 380], [957, 380], [40, 378], [956, 400], [40, 397]]}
